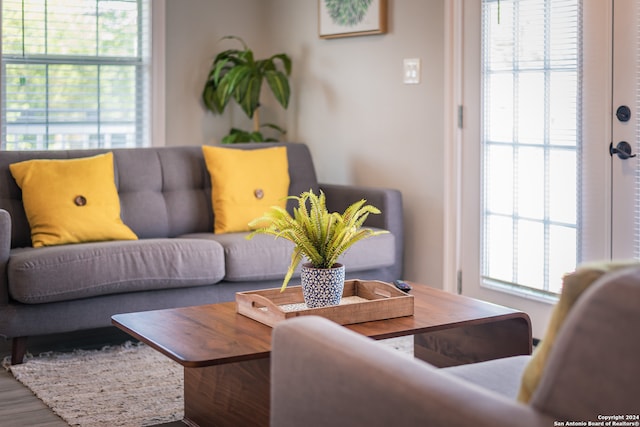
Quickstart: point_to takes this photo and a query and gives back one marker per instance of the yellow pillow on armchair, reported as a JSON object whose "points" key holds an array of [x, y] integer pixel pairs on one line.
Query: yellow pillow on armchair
{"points": [[573, 286], [71, 200], [245, 184]]}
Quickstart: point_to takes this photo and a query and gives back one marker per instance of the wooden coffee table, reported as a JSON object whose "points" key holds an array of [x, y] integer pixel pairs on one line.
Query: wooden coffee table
{"points": [[226, 355]]}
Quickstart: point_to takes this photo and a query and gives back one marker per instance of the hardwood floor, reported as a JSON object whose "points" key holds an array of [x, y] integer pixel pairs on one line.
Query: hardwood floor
{"points": [[18, 406]]}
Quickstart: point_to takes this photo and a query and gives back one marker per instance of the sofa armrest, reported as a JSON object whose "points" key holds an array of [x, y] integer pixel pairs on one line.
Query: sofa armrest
{"points": [[322, 374], [389, 201], [5, 249]]}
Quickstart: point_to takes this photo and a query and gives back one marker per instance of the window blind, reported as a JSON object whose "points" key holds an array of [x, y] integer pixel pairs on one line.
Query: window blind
{"points": [[531, 142], [75, 74]]}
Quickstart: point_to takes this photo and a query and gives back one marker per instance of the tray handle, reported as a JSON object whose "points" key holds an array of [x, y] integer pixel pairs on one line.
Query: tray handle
{"points": [[376, 290], [254, 302]]}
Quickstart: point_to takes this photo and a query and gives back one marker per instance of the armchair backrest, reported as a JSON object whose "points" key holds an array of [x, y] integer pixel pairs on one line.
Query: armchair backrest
{"points": [[594, 367]]}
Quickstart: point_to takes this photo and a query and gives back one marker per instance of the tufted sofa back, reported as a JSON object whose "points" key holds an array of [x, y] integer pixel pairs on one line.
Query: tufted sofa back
{"points": [[164, 191]]}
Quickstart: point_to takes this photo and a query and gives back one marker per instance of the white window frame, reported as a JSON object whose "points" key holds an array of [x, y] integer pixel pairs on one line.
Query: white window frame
{"points": [[156, 99]]}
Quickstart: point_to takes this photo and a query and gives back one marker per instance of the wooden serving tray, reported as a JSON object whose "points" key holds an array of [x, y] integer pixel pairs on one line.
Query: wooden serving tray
{"points": [[362, 301]]}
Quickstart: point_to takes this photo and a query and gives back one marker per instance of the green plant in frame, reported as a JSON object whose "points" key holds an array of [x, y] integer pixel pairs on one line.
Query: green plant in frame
{"points": [[347, 12], [317, 234], [236, 74]]}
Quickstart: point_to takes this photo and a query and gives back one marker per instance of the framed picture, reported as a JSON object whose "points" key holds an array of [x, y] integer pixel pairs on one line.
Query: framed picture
{"points": [[348, 18]]}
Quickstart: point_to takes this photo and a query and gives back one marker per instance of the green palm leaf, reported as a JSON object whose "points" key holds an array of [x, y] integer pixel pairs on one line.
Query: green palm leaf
{"points": [[284, 59], [232, 82], [249, 94], [279, 84]]}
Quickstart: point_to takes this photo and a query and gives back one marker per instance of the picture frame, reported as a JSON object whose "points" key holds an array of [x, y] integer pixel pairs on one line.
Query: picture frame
{"points": [[349, 18]]}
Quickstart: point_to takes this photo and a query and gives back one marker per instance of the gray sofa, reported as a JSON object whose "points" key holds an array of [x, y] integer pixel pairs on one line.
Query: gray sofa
{"points": [[165, 197], [326, 375]]}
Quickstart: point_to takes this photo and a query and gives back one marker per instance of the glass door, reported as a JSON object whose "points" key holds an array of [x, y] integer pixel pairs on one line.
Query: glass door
{"points": [[538, 183], [625, 106]]}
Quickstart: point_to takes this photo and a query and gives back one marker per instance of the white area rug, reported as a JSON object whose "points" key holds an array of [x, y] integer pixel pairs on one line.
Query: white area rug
{"points": [[128, 385]]}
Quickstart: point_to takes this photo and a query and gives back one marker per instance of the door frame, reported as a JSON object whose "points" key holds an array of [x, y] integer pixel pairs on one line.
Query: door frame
{"points": [[453, 107]]}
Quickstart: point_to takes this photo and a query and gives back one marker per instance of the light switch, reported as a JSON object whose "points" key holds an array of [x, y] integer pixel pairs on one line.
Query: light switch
{"points": [[411, 71]]}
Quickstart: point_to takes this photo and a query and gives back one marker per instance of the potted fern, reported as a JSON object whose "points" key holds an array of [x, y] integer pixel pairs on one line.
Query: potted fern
{"points": [[319, 236], [236, 74]]}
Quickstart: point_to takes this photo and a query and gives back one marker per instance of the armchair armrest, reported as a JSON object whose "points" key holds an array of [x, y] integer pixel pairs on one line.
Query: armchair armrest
{"points": [[322, 374], [5, 248], [389, 201]]}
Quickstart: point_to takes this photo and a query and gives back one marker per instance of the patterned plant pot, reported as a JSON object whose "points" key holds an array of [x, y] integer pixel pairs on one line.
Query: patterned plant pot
{"points": [[322, 286]]}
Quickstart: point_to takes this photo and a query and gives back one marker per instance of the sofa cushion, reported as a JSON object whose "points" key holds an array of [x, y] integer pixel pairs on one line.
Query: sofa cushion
{"points": [[499, 375], [245, 184], [60, 273], [267, 258], [71, 201]]}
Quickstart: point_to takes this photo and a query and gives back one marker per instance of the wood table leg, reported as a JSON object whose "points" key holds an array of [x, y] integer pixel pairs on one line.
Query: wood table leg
{"points": [[233, 394], [476, 343], [18, 350]]}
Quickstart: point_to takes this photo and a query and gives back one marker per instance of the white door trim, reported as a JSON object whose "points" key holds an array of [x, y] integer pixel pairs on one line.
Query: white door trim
{"points": [[452, 141]]}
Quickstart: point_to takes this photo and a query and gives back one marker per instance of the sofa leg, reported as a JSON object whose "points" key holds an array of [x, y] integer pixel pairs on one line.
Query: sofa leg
{"points": [[18, 349]]}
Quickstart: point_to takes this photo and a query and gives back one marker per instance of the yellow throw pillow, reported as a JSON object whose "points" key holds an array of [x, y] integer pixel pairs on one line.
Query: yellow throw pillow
{"points": [[245, 184], [573, 286], [71, 201]]}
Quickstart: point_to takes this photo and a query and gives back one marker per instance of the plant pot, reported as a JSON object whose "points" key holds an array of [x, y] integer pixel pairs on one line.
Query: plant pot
{"points": [[322, 287]]}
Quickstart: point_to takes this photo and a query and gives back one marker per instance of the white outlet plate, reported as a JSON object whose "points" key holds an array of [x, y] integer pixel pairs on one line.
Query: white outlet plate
{"points": [[411, 71]]}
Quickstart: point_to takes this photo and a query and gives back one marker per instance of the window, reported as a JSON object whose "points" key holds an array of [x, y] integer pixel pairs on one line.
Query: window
{"points": [[75, 74], [530, 142]]}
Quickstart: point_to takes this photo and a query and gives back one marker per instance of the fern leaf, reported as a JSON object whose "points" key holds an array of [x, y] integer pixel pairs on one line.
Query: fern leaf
{"points": [[316, 233], [296, 257]]}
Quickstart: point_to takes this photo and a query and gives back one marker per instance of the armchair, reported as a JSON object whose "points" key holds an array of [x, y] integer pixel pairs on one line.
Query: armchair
{"points": [[325, 375]]}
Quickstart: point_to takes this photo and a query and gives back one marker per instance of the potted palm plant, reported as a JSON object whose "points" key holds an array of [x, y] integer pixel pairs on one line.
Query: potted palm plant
{"points": [[236, 74], [319, 236]]}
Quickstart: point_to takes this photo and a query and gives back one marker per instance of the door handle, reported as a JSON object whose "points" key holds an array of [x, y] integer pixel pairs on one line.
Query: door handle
{"points": [[623, 150]]}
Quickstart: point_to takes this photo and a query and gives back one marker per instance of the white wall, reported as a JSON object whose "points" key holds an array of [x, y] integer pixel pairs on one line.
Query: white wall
{"points": [[363, 125], [193, 32]]}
